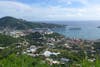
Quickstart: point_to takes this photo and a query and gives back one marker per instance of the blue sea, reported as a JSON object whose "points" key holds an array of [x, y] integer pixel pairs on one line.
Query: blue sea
{"points": [[89, 30]]}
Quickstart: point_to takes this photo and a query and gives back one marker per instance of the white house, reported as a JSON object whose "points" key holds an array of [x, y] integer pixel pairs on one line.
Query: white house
{"points": [[48, 53]]}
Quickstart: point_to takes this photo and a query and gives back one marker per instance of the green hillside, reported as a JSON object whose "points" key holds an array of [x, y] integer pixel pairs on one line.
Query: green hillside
{"points": [[20, 24]]}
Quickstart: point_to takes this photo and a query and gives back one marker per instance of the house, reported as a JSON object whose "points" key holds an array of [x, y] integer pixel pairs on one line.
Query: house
{"points": [[48, 53], [92, 59], [1, 48], [64, 60], [31, 49], [51, 61]]}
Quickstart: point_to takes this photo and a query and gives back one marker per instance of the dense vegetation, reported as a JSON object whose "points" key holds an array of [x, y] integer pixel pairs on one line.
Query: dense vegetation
{"points": [[34, 39], [19, 24], [54, 35], [14, 60], [7, 40]]}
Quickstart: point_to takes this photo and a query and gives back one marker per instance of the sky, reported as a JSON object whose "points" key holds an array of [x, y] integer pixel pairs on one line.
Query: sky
{"points": [[40, 10]]}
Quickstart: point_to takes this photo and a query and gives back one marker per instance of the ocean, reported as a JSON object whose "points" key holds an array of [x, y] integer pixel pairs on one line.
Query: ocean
{"points": [[88, 29]]}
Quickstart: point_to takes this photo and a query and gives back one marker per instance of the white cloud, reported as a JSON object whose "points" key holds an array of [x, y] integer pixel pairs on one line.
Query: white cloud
{"points": [[85, 2], [14, 9], [34, 12]]}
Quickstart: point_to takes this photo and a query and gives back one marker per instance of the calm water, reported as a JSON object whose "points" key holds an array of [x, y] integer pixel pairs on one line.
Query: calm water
{"points": [[88, 30]]}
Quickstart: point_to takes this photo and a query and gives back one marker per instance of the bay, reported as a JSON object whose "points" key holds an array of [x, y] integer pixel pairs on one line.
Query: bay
{"points": [[88, 29]]}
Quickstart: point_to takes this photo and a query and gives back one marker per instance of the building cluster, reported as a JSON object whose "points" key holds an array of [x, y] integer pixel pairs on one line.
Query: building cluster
{"points": [[18, 33], [74, 45]]}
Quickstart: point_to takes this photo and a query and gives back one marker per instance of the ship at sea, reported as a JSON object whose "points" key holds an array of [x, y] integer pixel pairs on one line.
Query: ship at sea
{"points": [[74, 28]]}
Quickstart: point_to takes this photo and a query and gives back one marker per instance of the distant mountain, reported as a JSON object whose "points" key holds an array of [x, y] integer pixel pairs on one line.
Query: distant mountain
{"points": [[20, 24]]}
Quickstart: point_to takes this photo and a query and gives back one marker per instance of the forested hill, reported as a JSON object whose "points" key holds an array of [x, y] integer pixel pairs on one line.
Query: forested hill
{"points": [[20, 24]]}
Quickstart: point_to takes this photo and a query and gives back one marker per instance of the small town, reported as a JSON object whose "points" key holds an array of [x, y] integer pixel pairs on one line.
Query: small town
{"points": [[52, 48]]}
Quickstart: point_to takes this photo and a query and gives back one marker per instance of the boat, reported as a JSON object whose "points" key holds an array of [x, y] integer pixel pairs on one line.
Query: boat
{"points": [[75, 28], [98, 27]]}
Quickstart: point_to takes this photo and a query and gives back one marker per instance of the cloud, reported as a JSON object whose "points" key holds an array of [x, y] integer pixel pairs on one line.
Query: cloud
{"points": [[38, 12], [14, 9], [20, 10], [84, 2]]}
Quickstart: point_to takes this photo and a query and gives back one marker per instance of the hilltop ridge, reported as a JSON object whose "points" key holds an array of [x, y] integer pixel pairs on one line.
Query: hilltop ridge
{"points": [[20, 24]]}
